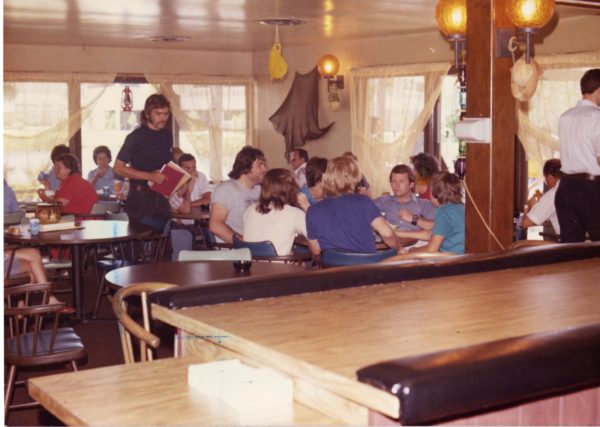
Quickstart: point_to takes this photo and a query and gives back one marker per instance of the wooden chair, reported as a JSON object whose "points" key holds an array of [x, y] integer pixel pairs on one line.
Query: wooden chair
{"points": [[241, 254], [265, 251], [34, 337], [128, 326], [335, 258]]}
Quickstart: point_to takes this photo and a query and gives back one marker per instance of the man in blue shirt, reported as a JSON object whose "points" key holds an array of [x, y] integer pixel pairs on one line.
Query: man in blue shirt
{"points": [[402, 208]]}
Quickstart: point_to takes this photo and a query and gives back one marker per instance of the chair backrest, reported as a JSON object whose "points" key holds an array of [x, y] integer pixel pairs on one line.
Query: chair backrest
{"points": [[181, 240], [13, 217], [32, 324], [120, 216], [128, 326], [335, 258], [262, 249], [240, 254]]}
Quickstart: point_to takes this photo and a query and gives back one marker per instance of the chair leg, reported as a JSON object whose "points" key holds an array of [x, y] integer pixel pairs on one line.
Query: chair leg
{"points": [[102, 290], [74, 365], [10, 388]]}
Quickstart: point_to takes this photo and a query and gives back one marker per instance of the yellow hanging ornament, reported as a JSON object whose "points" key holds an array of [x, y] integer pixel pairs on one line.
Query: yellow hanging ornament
{"points": [[277, 66]]}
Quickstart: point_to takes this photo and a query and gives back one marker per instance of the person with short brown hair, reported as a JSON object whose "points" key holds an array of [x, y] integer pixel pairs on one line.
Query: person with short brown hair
{"points": [[344, 220], [103, 175], [276, 217]]}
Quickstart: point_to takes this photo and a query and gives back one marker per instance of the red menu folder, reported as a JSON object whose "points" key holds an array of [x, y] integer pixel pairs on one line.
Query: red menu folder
{"points": [[176, 177]]}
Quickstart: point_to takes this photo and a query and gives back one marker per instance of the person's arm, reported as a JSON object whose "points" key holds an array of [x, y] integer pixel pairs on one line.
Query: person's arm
{"points": [[216, 223], [388, 236], [417, 234], [406, 215], [122, 169], [42, 195], [99, 174], [62, 201], [303, 201], [526, 222], [434, 245], [314, 247], [204, 200]]}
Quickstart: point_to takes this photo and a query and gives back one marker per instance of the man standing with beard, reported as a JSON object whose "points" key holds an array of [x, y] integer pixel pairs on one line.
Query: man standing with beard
{"points": [[143, 153]]}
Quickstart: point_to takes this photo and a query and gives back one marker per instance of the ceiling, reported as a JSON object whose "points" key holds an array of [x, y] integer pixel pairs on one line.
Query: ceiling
{"points": [[221, 25]]}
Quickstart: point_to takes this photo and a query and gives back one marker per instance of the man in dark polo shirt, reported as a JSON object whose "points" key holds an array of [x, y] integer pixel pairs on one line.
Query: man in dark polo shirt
{"points": [[143, 153]]}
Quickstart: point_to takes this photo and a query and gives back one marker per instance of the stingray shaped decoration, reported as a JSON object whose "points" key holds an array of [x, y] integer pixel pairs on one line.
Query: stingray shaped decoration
{"points": [[298, 117]]}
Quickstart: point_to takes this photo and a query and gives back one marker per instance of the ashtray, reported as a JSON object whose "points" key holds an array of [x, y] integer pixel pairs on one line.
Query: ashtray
{"points": [[242, 265]]}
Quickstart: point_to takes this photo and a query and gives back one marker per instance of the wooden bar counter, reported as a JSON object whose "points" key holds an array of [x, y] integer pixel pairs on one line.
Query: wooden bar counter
{"points": [[152, 393], [322, 339]]}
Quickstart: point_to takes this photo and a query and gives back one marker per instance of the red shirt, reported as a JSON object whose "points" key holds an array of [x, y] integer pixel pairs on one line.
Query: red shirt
{"points": [[80, 194]]}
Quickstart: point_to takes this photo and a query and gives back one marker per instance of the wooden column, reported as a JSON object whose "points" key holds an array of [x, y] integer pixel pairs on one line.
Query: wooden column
{"points": [[490, 167]]}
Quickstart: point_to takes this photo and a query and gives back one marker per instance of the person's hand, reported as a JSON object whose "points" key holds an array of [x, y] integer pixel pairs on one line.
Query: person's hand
{"points": [[402, 251], [405, 215], [157, 177], [533, 200], [101, 172]]}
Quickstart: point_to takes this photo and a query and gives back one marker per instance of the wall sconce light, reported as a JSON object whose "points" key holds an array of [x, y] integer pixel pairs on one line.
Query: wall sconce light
{"points": [[126, 99], [328, 67], [528, 16], [451, 16]]}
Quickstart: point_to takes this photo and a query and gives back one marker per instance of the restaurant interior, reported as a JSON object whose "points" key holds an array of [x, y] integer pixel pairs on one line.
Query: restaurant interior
{"points": [[319, 345]]}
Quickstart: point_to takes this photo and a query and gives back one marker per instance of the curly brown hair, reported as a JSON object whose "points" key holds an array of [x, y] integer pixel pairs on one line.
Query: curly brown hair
{"points": [[446, 188], [279, 188]]}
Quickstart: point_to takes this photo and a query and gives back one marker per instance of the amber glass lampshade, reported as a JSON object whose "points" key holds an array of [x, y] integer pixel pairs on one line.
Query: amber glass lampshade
{"points": [[451, 16], [530, 13], [328, 66]]}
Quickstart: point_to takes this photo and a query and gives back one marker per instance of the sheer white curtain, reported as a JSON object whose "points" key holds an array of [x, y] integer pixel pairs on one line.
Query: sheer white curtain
{"points": [[227, 124], [389, 109], [38, 116], [557, 91]]}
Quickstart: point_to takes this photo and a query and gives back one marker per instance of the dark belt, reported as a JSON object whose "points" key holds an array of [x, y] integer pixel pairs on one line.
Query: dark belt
{"points": [[140, 187], [583, 175]]}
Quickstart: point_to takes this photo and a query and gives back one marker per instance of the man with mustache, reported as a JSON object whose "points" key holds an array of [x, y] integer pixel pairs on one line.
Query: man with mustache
{"points": [[143, 153]]}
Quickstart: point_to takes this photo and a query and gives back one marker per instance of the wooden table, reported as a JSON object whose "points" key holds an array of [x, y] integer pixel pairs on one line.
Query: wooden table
{"points": [[151, 393], [197, 213], [193, 272], [323, 338], [90, 232]]}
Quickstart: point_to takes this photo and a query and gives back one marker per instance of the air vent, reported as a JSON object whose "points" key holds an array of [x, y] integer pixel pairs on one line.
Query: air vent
{"points": [[169, 39]]}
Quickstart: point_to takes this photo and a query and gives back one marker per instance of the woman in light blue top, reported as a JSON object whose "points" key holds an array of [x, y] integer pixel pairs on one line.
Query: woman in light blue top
{"points": [[103, 175]]}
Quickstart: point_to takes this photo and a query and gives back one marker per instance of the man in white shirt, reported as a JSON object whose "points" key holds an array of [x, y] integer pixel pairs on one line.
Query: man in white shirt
{"points": [[578, 196], [195, 193], [541, 206], [298, 159], [231, 198]]}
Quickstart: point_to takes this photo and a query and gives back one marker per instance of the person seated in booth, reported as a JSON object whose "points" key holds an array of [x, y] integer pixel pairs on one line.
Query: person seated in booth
{"points": [[540, 207], [424, 167], [402, 208], [276, 216], [345, 220], [103, 176], [312, 192], [49, 179], [196, 192], [448, 232], [75, 194], [298, 159], [231, 198]]}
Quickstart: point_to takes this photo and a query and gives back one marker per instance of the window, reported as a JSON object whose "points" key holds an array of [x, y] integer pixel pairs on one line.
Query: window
{"points": [[35, 120]]}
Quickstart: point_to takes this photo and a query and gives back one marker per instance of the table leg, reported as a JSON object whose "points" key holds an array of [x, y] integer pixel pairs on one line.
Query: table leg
{"points": [[78, 282]]}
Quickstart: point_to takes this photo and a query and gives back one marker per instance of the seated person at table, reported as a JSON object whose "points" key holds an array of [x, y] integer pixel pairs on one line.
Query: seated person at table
{"points": [[10, 200], [103, 175], [541, 206], [363, 186], [345, 220], [424, 165], [312, 192], [276, 216], [29, 261], [448, 233], [196, 192], [402, 208], [231, 198], [49, 179], [75, 195]]}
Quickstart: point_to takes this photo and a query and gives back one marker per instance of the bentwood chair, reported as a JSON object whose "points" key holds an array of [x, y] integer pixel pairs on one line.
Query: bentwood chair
{"points": [[336, 258], [265, 251], [128, 326], [34, 336]]}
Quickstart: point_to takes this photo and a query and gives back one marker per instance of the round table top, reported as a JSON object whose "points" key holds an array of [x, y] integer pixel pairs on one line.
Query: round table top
{"points": [[193, 272], [196, 213], [101, 231]]}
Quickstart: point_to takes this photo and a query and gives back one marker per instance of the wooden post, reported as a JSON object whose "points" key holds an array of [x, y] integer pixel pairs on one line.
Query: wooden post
{"points": [[490, 167]]}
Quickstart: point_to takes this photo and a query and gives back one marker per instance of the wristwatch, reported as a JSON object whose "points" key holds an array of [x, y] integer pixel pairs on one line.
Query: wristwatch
{"points": [[415, 218]]}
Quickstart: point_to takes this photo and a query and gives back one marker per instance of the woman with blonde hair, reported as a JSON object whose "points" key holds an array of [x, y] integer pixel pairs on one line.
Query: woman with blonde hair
{"points": [[276, 216], [344, 220]]}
